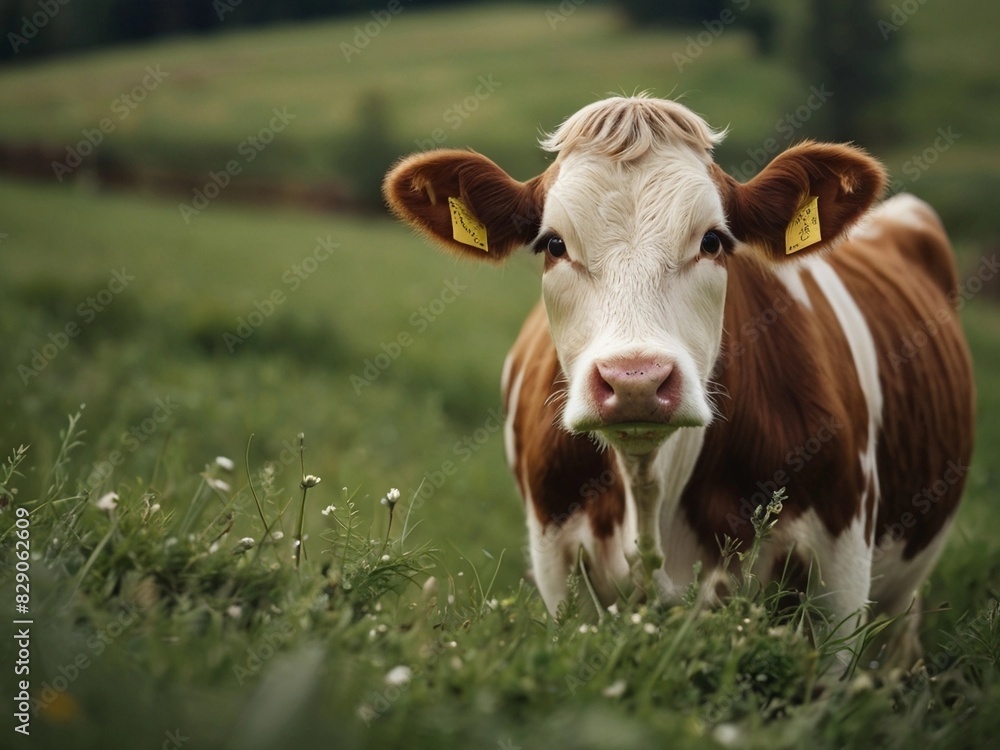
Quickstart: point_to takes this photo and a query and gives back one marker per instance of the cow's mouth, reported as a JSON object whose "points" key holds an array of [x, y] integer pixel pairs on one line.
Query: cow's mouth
{"points": [[638, 437]]}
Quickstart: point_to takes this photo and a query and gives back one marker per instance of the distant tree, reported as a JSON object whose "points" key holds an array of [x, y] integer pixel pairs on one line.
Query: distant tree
{"points": [[845, 50], [366, 154], [754, 16], [681, 12]]}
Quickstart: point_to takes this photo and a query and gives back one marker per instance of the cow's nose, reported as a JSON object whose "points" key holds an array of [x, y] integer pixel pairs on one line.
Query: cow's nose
{"points": [[638, 389]]}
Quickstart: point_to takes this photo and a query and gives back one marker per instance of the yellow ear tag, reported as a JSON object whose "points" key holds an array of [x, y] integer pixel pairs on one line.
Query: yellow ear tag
{"points": [[803, 229], [465, 227]]}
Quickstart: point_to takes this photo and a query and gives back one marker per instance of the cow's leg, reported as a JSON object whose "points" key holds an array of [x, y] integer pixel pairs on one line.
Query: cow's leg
{"points": [[896, 583], [839, 578]]}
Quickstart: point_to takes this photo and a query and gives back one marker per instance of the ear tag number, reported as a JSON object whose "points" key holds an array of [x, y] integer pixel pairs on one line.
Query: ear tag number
{"points": [[465, 227], [803, 230]]}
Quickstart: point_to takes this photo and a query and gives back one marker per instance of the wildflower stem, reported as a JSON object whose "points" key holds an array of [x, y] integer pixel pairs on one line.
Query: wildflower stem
{"points": [[256, 500], [307, 481], [298, 531], [388, 528]]}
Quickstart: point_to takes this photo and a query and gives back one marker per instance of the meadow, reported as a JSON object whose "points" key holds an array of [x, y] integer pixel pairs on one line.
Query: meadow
{"points": [[143, 345]]}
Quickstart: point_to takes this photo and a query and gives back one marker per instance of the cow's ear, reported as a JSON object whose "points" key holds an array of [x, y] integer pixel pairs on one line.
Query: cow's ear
{"points": [[802, 201], [465, 202]]}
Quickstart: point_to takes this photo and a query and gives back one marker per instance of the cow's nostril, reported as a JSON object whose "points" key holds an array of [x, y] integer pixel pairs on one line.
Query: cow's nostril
{"points": [[603, 390], [669, 388]]}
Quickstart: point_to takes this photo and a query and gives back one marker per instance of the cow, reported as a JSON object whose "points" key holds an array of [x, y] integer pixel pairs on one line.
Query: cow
{"points": [[702, 342]]}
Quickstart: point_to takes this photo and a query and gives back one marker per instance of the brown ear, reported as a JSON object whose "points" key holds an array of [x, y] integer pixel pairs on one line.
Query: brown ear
{"points": [[844, 180], [418, 191]]}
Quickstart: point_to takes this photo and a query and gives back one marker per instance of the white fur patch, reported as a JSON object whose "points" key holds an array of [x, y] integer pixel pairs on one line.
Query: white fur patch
{"points": [[895, 581], [790, 274], [509, 436], [865, 357]]}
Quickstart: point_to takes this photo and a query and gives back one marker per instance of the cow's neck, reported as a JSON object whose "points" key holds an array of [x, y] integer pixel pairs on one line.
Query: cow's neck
{"points": [[654, 484]]}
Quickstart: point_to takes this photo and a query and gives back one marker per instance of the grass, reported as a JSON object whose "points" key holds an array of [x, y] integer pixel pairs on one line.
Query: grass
{"points": [[183, 628], [156, 624], [150, 627]]}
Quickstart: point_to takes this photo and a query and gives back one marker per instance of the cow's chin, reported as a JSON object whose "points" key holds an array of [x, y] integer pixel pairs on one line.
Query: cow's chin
{"points": [[637, 438]]}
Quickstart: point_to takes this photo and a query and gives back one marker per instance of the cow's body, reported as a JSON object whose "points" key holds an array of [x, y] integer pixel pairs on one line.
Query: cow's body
{"points": [[811, 378], [693, 354]]}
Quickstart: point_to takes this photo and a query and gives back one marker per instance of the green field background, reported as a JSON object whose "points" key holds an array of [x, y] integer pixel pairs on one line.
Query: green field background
{"points": [[163, 338]]}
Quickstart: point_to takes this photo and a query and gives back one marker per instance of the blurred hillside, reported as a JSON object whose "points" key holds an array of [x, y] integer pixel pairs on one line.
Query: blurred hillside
{"points": [[187, 114]]}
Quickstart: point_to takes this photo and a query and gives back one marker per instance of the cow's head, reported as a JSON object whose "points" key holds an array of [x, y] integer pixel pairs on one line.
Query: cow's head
{"points": [[636, 224]]}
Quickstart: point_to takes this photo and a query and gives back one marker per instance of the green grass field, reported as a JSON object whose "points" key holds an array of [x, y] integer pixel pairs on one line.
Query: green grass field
{"points": [[175, 342]]}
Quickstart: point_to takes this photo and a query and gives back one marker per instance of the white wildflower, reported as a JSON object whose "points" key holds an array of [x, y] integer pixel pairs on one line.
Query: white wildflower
{"points": [[108, 502], [234, 611], [225, 463], [391, 498], [615, 690], [328, 510], [217, 484], [243, 545], [728, 735], [309, 481], [649, 628], [398, 676]]}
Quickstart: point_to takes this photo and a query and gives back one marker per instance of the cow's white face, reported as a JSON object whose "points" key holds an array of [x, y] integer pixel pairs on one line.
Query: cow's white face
{"points": [[634, 285]]}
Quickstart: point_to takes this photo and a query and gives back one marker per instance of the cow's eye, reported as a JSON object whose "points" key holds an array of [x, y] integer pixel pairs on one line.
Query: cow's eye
{"points": [[711, 244], [556, 247]]}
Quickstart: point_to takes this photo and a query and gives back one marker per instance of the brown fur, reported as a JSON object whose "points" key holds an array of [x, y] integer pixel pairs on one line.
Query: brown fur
{"points": [[781, 384]]}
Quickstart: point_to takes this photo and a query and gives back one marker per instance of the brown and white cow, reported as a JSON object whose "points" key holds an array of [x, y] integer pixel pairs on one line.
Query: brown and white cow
{"points": [[682, 364]]}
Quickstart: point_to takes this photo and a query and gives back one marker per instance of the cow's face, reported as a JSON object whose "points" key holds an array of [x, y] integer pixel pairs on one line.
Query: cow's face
{"points": [[634, 284], [635, 222]]}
